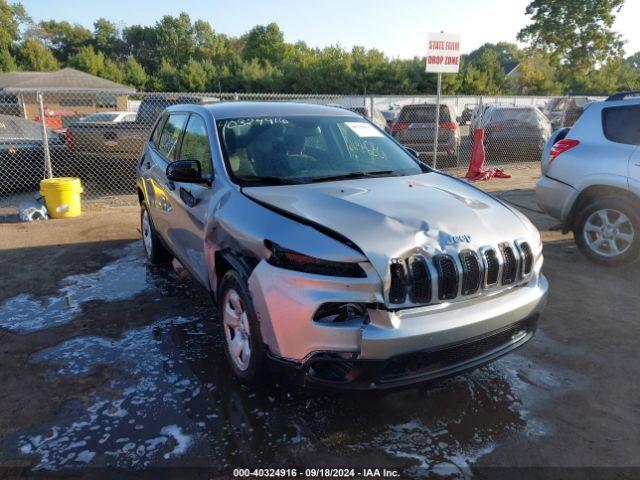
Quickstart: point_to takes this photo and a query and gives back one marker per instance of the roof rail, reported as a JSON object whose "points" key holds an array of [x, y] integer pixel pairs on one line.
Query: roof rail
{"points": [[623, 95]]}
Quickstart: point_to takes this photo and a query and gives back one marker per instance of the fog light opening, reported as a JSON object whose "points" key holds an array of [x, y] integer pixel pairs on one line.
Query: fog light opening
{"points": [[340, 313]]}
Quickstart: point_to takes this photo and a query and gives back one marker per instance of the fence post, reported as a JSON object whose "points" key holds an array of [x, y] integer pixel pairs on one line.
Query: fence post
{"points": [[45, 138], [564, 110], [371, 107]]}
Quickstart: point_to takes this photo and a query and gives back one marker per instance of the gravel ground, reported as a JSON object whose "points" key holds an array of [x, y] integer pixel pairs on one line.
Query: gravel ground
{"points": [[107, 364]]}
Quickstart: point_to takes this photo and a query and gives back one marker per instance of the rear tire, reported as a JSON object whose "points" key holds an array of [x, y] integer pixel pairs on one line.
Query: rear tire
{"points": [[243, 345], [607, 231], [154, 250]]}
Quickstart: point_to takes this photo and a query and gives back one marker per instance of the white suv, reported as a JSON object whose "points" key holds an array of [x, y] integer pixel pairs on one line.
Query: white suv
{"points": [[591, 179]]}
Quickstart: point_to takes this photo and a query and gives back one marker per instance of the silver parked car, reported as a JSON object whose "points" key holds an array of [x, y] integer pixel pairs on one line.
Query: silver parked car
{"points": [[330, 251], [591, 180]]}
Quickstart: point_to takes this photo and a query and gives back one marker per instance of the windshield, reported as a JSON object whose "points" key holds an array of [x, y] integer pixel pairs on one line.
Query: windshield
{"points": [[302, 149]]}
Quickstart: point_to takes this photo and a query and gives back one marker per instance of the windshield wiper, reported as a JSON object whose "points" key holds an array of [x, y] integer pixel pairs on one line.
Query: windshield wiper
{"points": [[347, 176], [269, 180]]}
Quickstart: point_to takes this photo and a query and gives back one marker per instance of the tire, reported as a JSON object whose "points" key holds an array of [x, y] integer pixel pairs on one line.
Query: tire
{"points": [[238, 320], [606, 225], [154, 250]]}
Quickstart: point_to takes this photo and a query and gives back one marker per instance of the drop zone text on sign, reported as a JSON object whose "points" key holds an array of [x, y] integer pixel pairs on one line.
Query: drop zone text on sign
{"points": [[443, 53]]}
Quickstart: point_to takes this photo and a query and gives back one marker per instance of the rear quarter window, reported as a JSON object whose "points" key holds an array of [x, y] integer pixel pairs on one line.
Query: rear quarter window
{"points": [[622, 124], [155, 136]]}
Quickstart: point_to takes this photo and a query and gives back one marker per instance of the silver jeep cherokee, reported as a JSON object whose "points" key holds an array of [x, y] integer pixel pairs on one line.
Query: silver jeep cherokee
{"points": [[330, 251]]}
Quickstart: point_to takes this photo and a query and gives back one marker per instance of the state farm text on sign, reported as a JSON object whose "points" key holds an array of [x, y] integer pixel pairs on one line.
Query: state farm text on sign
{"points": [[443, 53]]}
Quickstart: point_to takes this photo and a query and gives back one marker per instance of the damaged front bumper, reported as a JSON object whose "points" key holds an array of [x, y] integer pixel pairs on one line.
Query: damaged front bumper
{"points": [[392, 348]]}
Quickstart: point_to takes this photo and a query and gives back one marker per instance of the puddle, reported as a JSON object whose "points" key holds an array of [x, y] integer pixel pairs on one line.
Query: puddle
{"points": [[122, 279], [168, 398]]}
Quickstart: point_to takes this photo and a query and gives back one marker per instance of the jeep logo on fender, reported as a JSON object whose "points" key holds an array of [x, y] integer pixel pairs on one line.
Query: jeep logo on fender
{"points": [[453, 239]]}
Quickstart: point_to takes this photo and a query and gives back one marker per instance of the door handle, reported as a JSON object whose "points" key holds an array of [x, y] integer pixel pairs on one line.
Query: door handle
{"points": [[637, 164], [170, 185]]}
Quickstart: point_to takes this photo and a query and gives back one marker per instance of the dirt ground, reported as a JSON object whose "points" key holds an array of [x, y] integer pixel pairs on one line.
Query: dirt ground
{"points": [[105, 362]]}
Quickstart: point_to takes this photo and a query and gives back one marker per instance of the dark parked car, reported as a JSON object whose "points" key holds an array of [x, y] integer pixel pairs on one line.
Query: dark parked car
{"points": [[515, 133], [22, 154], [415, 128]]}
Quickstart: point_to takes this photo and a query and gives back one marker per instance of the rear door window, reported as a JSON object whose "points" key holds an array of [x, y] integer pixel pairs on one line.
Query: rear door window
{"points": [[171, 134], [622, 124]]}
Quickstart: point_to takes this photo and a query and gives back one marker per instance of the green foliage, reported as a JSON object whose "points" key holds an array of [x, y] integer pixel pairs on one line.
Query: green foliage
{"points": [[32, 55], [576, 35], [88, 60], [571, 47], [63, 38], [134, 74], [633, 61], [7, 63], [11, 18], [266, 44]]}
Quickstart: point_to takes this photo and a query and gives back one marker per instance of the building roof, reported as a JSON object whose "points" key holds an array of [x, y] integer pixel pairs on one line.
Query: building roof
{"points": [[510, 67], [66, 79]]}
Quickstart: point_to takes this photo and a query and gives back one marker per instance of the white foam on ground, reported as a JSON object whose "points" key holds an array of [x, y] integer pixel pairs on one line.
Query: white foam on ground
{"points": [[119, 280]]}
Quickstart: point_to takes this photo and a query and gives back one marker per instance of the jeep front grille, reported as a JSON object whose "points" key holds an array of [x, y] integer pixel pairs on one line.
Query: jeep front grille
{"points": [[415, 279], [447, 276], [397, 290], [527, 259], [420, 281], [470, 272], [492, 268], [510, 267]]}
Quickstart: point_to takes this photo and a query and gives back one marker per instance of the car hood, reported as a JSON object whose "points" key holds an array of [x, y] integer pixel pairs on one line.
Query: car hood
{"points": [[392, 217]]}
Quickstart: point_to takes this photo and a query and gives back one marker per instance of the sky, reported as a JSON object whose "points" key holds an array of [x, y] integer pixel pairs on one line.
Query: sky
{"points": [[398, 28]]}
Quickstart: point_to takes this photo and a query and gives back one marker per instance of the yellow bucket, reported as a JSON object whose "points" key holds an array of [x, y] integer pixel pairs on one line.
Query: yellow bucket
{"points": [[61, 196]]}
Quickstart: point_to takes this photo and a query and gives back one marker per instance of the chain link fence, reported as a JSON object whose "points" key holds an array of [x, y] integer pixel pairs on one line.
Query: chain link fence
{"points": [[98, 135]]}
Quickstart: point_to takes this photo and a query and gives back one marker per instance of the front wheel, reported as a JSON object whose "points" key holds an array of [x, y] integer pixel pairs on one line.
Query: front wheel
{"points": [[154, 250], [244, 347], [607, 231]]}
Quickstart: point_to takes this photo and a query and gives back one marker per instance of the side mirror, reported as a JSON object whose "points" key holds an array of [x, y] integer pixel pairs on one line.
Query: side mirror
{"points": [[412, 152], [185, 171]]}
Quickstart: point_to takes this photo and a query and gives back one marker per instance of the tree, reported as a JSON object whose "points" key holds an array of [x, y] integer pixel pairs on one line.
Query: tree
{"points": [[536, 75], [88, 60], [134, 74], [266, 44], [112, 71], [633, 61], [63, 38], [174, 38], [33, 55], [106, 38], [11, 18], [504, 51], [192, 77], [614, 76], [576, 35]]}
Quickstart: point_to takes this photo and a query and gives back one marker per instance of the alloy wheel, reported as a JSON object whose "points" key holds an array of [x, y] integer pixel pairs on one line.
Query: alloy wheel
{"points": [[236, 329], [608, 232]]}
